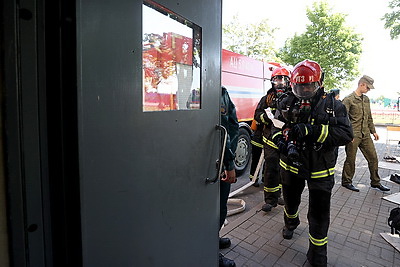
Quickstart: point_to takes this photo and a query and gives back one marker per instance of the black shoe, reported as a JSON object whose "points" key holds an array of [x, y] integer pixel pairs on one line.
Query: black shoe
{"points": [[351, 187], [267, 207], [390, 159], [395, 178], [224, 242], [281, 201], [286, 233], [225, 262], [256, 183], [381, 187]]}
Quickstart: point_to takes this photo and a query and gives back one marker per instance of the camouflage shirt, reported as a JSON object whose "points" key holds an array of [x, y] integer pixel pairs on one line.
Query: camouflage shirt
{"points": [[359, 110]]}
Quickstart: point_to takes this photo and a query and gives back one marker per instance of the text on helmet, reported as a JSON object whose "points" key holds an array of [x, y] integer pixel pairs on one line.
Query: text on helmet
{"points": [[302, 79]]}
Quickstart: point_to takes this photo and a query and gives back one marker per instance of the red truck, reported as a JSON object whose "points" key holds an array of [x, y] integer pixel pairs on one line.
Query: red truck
{"points": [[247, 80]]}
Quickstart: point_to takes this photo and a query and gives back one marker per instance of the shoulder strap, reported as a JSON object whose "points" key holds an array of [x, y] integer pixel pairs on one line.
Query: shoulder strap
{"points": [[330, 104]]}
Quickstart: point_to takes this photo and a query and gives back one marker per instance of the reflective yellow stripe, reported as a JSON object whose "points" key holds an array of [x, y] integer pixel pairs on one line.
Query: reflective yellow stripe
{"points": [[256, 144], [276, 134], [262, 118], [273, 189], [324, 173], [269, 142], [318, 242], [245, 119], [324, 133], [294, 216], [251, 177], [288, 167]]}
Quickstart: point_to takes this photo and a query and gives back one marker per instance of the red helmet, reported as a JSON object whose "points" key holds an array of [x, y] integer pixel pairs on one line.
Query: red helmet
{"points": [[280, 71], [280, 78], [306, 79]]}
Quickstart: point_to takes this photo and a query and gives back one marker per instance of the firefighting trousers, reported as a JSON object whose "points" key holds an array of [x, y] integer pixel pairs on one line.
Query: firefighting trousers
{"points": [[272, 180], [256, 150], [318, 215], [367, 148], [224, 189]]}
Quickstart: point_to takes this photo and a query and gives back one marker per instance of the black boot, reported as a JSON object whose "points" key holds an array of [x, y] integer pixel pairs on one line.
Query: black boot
{"points": [[225, 262], [268, 207], [317, 256], [224, 242], [256, 183], [286, 233]]}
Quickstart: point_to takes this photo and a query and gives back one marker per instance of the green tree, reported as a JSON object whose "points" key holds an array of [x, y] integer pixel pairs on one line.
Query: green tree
{"points": [[255, 40], [380, 98], [336, 47], [392, 19]]}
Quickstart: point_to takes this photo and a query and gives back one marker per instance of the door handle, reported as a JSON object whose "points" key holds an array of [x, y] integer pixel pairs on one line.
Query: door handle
{"points": [[220, 160]]}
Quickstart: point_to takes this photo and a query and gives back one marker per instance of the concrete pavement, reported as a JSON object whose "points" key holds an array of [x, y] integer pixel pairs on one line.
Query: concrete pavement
{"points": [[357, 219]]}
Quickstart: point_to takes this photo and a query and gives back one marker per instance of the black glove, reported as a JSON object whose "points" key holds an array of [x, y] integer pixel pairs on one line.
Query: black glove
{"points": [[280, 143], [293, 153], [300, 130], [282, 146]]}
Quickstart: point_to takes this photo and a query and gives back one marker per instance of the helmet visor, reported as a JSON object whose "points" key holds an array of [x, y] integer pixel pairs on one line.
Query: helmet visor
{"points": [[280, 81], [305, 90]]}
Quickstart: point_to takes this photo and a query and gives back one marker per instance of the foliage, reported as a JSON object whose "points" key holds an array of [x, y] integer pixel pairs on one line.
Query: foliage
{"points": [[392, 19], [380, 98], [336, 47], [253, 40]]}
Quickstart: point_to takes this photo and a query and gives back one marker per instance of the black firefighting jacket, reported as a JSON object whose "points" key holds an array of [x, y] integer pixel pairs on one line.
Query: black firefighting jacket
{"points": [[267, 101], [330, 128]]}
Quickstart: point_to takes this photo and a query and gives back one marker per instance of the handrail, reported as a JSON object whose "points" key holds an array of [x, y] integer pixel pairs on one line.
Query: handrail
{"points": [[221, 156]]}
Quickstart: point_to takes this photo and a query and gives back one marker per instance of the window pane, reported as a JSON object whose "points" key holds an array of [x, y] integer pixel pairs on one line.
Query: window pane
{"points": [[171, 60]]}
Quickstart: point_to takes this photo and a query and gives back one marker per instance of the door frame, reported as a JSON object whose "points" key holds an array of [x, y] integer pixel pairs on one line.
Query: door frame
{"points": [[41, 138]]}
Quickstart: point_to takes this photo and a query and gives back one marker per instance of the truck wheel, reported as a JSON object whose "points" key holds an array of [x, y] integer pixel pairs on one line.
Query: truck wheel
{"points": [[243, 151]]}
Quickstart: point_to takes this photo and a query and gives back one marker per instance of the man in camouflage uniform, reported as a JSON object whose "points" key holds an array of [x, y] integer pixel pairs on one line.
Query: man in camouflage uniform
{"points": [[359, 110]]}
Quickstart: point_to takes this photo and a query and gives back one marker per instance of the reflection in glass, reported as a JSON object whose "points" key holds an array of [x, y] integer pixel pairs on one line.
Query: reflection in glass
{"points": [[171, 60]]}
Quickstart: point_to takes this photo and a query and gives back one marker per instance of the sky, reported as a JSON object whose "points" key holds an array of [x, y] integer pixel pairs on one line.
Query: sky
{"points": [[381, 55]]}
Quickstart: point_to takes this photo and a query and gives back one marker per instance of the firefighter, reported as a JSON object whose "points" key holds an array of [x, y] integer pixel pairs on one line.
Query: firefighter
{"points": [[314, 124], [280, 81]]}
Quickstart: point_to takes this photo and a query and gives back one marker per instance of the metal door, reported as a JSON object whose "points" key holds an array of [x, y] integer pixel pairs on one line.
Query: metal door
{"points": [[144, 199]]}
